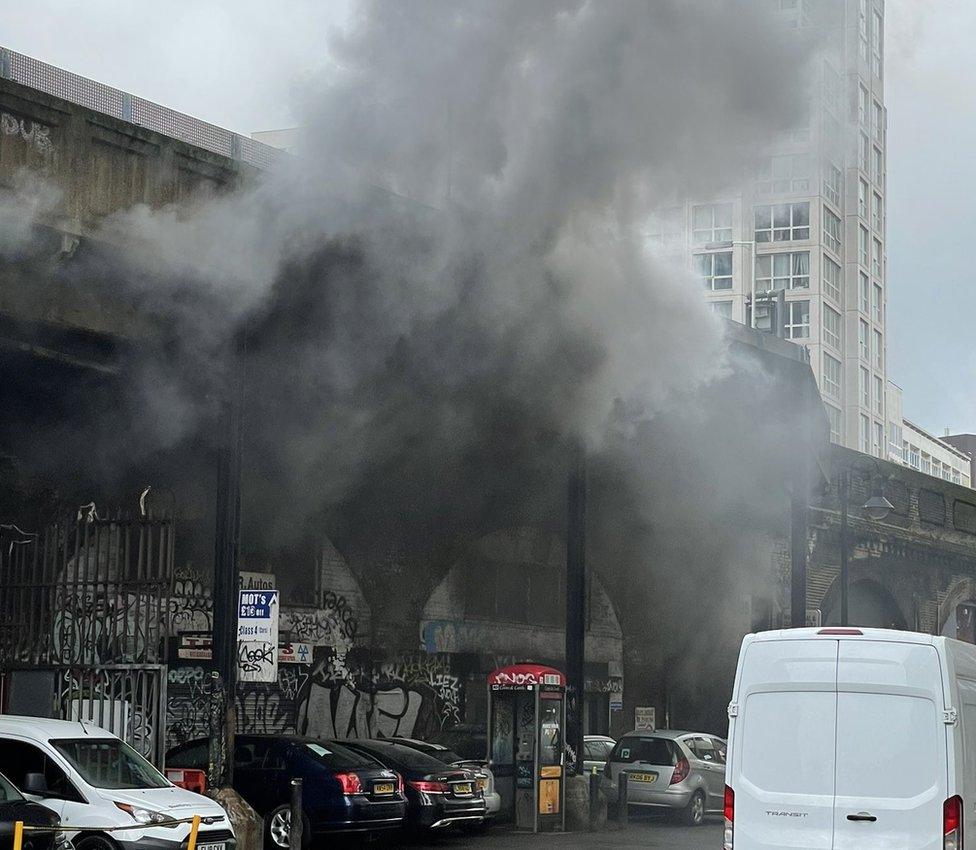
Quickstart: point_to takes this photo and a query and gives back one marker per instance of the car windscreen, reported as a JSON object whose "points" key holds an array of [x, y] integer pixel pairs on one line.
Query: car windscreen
{"points": [[8, 793], [469, 746], [436, 751], [337, 757], [405, 758], [659, 751], [109, 763]]}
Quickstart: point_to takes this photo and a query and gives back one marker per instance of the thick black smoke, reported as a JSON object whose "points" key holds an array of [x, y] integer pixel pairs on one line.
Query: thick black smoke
{"points": [[448, 286]]}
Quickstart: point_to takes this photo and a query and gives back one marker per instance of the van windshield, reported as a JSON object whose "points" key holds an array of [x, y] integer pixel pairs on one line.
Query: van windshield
{"points": [[109, 763]]}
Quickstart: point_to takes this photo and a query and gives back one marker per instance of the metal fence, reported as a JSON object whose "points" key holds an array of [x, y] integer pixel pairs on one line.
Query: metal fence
{"points": [[127, 107], [87, 592]]}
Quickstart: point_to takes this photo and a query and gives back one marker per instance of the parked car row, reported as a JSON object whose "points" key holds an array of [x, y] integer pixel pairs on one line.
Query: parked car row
{"points": [[365, 786]]}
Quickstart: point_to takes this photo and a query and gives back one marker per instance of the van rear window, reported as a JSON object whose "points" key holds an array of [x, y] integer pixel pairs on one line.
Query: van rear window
{"points": [[787, 742], [657, 751]]}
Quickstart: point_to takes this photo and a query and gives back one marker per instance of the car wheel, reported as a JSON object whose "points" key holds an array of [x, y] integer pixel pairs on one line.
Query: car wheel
{"points": [[277, 829], [694, 813], [94, 842]]}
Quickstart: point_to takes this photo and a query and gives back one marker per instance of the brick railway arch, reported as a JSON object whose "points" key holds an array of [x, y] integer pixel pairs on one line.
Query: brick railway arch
{"points": [[870, 605]]}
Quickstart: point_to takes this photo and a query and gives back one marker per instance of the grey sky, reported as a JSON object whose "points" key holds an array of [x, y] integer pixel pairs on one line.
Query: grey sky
{"points": [[237, 62]]}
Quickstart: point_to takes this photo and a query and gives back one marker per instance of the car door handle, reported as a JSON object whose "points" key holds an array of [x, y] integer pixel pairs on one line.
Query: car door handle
{"points": [[862, 816]]}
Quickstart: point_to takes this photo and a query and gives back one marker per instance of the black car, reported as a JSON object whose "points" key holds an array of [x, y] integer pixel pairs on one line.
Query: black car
{"points": [[438, 795], [40, 823], [342, 790], [467, 740]]}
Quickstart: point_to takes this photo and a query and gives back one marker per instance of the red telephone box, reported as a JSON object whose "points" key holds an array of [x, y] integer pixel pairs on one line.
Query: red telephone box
{"points": [[526, 734]]}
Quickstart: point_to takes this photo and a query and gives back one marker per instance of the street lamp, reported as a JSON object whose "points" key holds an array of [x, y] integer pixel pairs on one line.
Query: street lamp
{"points": [[715, 246], [877, 508]]}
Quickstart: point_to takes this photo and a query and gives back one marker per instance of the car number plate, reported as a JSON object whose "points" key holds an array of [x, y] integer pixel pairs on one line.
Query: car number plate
{"points": [[462, 788], [213, 845], [643, 777], [383, 787]]}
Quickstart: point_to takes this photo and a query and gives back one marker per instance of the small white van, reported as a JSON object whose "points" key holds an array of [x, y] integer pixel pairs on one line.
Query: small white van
{"points": [[852, 739], [91, 778]]}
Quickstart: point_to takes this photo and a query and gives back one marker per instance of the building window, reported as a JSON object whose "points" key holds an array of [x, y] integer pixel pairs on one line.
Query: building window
{"points": [[798, 320], [831, 327], [831, 376], [876, 259], [878, 166], [831, 278], [864, 293], [879, 398], [783, 222], [711, 223], [864, 387], [913, 456], [878, 123], [783, 271], [876, 31], [831, 230], [863, 246], [956, 476], [877, 217], [878, 351], [722, 308], [862, 105], [895, 440], [864, 154], [783, 174], [715, 270], [926, 464], [862, 341], [833, 417], [862, 198], [666, 229], [862, 29], [832, 187], [879, 437], [865, 434], [877, 310]]}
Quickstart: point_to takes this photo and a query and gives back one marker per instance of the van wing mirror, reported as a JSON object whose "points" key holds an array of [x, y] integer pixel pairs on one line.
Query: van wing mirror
{"points": [[36, 783]]}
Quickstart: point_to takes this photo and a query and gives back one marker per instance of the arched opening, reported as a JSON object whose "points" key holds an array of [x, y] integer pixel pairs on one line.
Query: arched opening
{"points": [[869, 605]]}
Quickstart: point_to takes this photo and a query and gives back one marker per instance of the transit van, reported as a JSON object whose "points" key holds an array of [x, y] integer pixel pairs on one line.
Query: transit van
{"points": [[852, 739], [95, 781]]}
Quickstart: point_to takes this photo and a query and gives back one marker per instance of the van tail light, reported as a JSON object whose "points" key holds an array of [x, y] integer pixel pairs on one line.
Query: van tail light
{"points": [[606, 770], [399, 784], [350, 783], [681, 771], [841, 632], [729, 817], [428, 786], [952, 824]]}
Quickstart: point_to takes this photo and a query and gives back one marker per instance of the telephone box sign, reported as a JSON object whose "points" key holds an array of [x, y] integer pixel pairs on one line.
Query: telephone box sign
{"points": [[520, 677]]}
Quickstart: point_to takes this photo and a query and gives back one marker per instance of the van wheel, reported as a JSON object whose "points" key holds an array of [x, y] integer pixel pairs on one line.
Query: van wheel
{"points": [[694, 813], [277, 829], [95, 842]]}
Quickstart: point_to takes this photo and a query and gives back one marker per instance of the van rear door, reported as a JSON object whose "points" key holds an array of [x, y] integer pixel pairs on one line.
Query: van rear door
{"points": [[783, 747], [891, 747]]}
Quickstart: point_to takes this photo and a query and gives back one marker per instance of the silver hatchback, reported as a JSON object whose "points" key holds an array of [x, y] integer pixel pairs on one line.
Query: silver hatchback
{"points": [[680, 771]]}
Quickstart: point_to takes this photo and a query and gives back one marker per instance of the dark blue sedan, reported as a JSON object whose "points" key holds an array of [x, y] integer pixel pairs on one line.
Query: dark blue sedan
{"points": [[343, 790]]}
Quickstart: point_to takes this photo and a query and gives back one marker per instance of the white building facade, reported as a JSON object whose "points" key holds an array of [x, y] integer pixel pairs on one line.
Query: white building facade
{"points": [[812, 223]]}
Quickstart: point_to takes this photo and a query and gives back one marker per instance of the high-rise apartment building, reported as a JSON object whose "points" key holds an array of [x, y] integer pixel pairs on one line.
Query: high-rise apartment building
{"points": [[811, 223]]}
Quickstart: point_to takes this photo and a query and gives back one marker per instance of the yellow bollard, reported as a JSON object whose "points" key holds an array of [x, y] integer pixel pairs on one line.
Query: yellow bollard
{"points": [[191, 843], [18, 834]]}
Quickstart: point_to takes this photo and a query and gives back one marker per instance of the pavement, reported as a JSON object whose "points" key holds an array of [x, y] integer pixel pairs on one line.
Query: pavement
{"points": [[639, 833]]}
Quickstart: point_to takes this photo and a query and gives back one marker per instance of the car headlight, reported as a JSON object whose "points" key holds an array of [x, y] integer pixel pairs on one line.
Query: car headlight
{"points": [[143, 816]]}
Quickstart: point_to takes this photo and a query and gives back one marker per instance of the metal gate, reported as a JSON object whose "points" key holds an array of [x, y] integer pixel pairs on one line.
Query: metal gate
{"points": [[87, 601]]}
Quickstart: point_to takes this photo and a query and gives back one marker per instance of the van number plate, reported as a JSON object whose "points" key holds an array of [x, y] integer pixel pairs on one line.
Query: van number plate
{"points": [[643, 777], [217, 845]]}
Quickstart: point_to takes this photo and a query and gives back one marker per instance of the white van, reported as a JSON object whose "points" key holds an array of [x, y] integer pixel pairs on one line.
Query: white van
{"points": [[91, 778], [852, 739]]}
